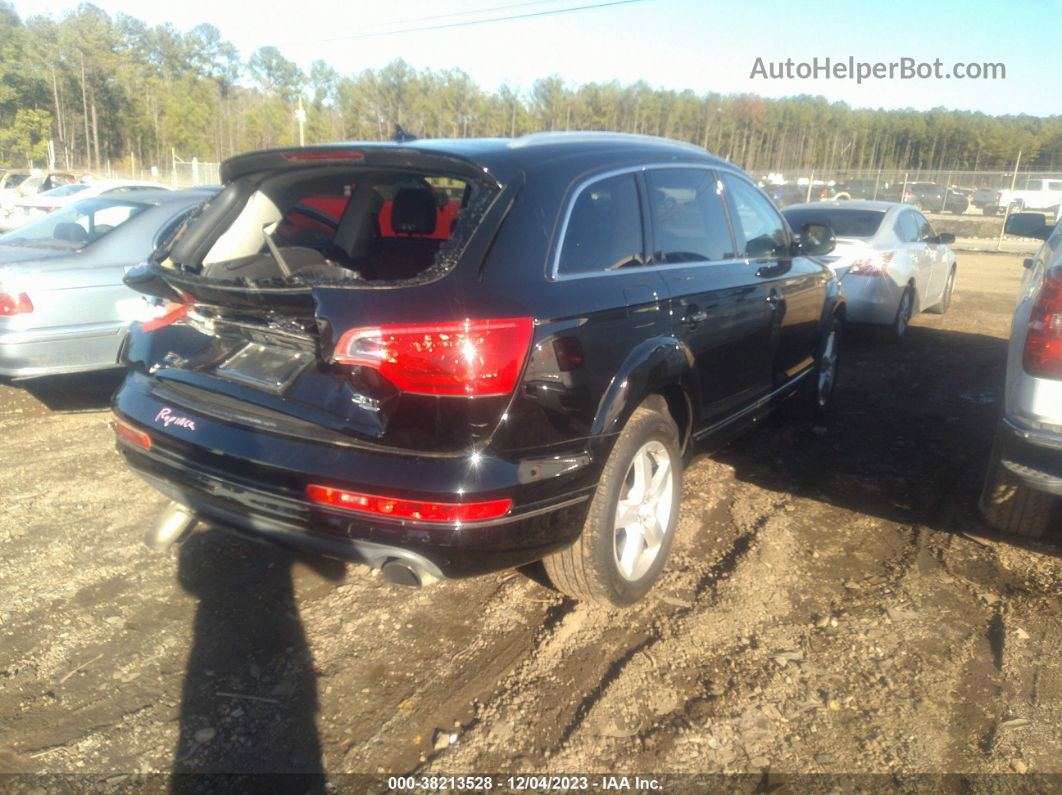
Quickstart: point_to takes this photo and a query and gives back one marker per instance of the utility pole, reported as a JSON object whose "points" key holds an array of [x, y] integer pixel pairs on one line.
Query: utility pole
{"points": [[300, 117]]}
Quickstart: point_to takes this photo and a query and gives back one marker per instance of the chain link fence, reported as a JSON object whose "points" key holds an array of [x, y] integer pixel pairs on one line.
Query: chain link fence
{"points": [[950, 192]]}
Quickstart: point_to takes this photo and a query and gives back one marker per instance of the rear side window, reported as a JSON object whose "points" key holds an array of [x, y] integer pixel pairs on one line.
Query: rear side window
{"points": [[604, 230], [760, 229], [689, 222]]}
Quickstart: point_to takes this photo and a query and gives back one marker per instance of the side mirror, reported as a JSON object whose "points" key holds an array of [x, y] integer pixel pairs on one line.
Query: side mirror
{"points": [[817, 240], [944, 239], [1028, 225]]}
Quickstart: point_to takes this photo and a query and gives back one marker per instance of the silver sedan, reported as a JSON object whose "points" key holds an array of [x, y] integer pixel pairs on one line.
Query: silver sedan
{"points": [[890, 261], [63, 305]]}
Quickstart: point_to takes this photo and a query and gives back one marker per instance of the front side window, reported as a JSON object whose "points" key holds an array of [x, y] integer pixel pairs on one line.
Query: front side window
{"points": [[689, 221], [907, 228], [925, 231], [604, 230], [759, 228]]}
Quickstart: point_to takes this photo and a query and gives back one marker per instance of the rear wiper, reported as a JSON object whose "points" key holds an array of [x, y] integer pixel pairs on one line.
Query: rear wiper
{"points": [[276, 253]]}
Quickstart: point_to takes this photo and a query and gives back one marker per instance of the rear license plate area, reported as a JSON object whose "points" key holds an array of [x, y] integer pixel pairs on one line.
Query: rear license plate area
{"points": [[264, 367]]}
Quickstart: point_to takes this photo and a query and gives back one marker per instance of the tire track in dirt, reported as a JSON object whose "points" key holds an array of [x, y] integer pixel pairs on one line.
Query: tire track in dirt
{"points": [[576, 671]]}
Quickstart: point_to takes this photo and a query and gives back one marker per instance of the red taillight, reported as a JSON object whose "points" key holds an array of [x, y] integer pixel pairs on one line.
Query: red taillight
{"points": [[469, 358], [131, 434], [875, 264], [408, 509], [174, 312], [324, 154], [15, 304], [1043, 340]]}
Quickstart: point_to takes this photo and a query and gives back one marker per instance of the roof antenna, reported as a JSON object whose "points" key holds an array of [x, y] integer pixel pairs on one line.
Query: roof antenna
{"points": [[401, 136]]}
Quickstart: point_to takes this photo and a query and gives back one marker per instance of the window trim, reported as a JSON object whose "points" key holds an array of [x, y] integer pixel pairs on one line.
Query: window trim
{"points": [[553, 273]]}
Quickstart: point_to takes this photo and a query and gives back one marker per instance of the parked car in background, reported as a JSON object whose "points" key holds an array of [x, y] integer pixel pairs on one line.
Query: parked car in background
{"points": [[20, 184], [32, 207], [873, 189], [1035, 194], [1023, 487], [932, 198], [520, 388], [9, 184], [890, 261], [63, 305], [785, 194]]}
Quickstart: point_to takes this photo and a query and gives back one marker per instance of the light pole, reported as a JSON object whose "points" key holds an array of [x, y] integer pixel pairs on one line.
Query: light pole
{"points": [[300, 117]]}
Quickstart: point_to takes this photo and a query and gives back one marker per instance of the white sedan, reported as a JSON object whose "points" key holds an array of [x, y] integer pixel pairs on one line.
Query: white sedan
{"points": [[33, 207], [890, 261]]}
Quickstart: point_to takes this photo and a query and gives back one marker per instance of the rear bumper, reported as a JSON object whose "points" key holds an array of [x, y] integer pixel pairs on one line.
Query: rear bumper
{"points": [[871, 299], [257, 486], [1033, 456], [66, 349]]}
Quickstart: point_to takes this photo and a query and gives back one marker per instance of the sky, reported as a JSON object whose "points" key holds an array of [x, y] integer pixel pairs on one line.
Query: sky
{"points": [[678, 44]]}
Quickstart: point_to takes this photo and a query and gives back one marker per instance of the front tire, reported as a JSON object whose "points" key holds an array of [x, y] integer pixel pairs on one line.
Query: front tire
{"points": [[1009, 505], [815, 396], [631, 523]]}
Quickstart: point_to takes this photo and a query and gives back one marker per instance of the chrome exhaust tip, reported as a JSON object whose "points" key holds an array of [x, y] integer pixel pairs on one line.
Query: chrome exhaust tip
{"points": [[405, 573], [173, 526]]}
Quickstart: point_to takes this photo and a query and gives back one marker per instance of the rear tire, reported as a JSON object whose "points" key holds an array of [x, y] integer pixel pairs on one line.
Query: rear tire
{"points": [[945, 300], [1009, 505], [904, 312], [635, 507]]}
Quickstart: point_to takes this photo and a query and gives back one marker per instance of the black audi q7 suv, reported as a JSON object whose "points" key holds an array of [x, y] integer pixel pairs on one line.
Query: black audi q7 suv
{"points": [[444, 358]]}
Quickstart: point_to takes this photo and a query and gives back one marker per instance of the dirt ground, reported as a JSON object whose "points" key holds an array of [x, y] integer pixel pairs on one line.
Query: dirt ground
{"points": [[833, 603]]}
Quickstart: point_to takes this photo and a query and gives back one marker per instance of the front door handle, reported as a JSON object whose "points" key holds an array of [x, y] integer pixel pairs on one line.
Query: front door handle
{"points": [[696, 317]]}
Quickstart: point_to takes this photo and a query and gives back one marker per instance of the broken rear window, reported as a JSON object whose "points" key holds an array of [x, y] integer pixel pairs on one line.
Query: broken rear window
{"points": [[358, 224]]}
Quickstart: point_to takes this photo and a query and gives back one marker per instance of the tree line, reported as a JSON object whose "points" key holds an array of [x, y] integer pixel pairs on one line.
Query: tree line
{"points": [[115, 91]]}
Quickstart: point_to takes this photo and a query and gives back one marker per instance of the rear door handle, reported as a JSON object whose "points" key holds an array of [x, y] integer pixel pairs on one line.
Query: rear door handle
{"points": [[774, 299]]}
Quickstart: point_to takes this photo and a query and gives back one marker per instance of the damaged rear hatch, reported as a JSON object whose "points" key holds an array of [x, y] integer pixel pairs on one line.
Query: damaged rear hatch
{"points": [[332, 295]]}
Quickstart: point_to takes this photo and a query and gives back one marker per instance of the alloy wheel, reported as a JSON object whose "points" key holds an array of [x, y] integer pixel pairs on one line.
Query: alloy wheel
{"points": [[643, 511], [827, 369]]}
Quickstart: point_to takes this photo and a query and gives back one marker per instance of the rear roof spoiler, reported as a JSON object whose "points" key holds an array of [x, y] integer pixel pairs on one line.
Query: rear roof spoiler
{"points": [[380, 155]]}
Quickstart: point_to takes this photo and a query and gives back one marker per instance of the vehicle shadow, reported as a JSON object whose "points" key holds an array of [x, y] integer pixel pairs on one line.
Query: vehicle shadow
{"points": [[249, 699], [75, 392], [907, 441]]}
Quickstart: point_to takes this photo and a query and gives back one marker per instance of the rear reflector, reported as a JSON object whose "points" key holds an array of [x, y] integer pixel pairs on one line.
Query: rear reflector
{"points": [[1043, 340], [469, 358], [324, 154], [408, 509], [174, 313], [131, 434], [15, 304]]}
